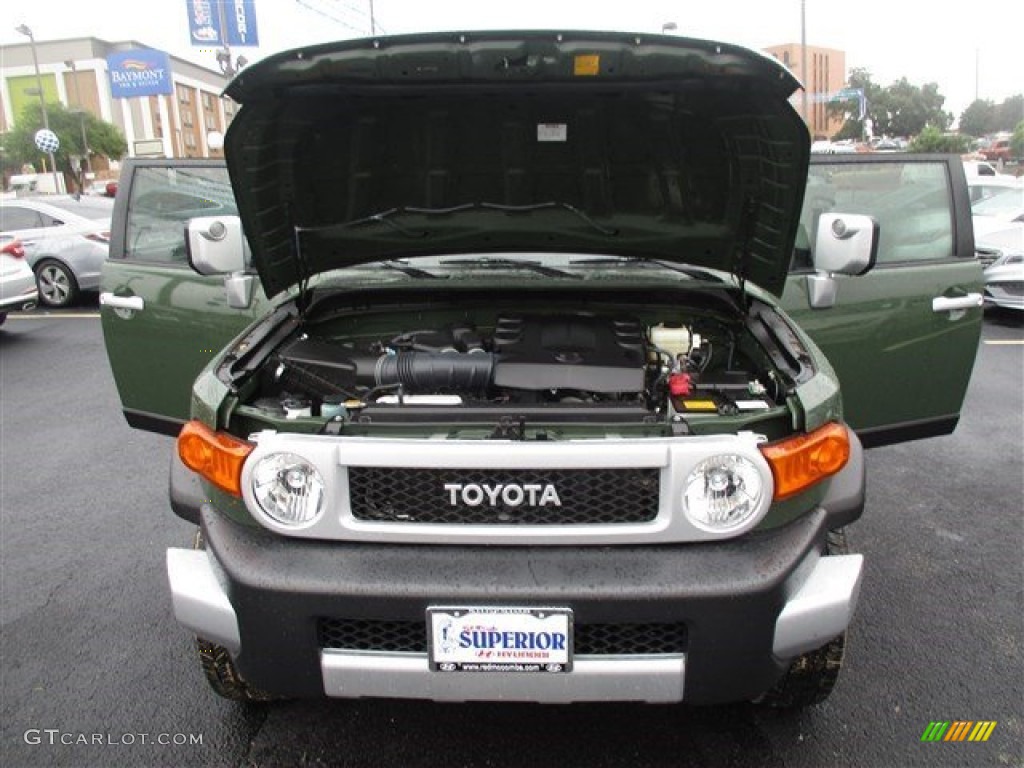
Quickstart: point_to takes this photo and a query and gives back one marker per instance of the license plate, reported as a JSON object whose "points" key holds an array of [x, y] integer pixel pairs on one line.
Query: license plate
{"points": [[500, 639]]}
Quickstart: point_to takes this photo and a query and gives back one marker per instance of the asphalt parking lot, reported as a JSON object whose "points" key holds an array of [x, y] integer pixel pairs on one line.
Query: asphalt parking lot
{"points": [[95, 672]]}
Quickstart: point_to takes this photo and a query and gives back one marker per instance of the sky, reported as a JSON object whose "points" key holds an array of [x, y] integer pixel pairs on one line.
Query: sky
{"points": [[975, 50]]}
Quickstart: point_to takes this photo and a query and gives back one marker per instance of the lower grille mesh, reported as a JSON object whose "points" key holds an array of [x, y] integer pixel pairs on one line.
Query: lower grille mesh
{"points": [[589, 639]]}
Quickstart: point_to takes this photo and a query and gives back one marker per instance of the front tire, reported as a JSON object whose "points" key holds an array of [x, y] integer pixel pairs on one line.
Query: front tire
{"points": [[218, 665], [812, 676], [56, 282], [222, 675]]}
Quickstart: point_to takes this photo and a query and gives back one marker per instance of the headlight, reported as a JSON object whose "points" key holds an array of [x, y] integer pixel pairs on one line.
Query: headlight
{"points": [[288, 488], [722, 493]]}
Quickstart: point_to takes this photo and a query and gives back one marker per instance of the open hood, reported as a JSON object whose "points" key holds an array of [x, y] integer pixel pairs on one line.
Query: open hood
{"points": [[584, 142]]}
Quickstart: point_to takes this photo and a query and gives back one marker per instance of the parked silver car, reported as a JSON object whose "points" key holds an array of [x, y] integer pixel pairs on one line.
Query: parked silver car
{"points": [[1004, 276], [66, 242], [17, 283]]}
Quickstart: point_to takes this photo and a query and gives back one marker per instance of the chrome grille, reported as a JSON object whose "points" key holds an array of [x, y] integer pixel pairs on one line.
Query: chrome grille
{"points": [[586, 496]]}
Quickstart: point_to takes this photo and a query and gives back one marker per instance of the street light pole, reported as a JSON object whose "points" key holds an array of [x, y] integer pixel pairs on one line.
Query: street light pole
{"points": [[81, 120], [24, 30]]}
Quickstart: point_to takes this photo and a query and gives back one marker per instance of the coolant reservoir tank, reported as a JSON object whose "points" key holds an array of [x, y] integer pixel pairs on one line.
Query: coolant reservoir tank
{"points": [[674, 340]]}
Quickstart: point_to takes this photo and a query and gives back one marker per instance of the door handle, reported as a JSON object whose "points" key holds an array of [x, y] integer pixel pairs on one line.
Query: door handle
{"points": [[946, 303], [122, 302]]}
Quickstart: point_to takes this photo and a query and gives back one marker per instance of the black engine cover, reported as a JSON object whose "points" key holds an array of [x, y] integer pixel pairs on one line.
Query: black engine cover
{"points": [[580, 352]]}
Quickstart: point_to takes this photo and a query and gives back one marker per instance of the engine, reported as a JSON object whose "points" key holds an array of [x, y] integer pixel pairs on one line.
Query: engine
{"points": [[525, 362]]}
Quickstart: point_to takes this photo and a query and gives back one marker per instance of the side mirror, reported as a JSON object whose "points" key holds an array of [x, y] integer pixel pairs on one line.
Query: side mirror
{"points": [[215, 245], [846, 244]]}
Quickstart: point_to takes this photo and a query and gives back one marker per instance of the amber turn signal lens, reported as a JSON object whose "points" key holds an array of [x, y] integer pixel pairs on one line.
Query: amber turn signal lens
{"points": [[800, 462], [215, 455]]}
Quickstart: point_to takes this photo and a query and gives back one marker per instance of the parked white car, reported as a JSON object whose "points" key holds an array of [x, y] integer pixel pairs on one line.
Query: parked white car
{"points": [[17, 282], [983, 187], [66, 242], [1000, 211]]}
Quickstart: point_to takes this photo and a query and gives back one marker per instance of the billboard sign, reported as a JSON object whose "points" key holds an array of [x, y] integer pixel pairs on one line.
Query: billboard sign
{"points": [[204, 22], [222, 22], [139, 72], [240, 17]]}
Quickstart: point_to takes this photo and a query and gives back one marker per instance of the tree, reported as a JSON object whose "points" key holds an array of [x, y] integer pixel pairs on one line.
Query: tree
{"points": [[1017, 140], [1009, 113], [20, 148], [909, 108], [853, 126], [932, 139], [983, 117], [900, 109], [978, 118]]}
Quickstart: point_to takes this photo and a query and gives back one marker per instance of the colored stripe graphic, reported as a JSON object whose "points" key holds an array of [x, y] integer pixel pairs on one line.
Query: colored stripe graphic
{"points": [[959, 730], [982, 730]]}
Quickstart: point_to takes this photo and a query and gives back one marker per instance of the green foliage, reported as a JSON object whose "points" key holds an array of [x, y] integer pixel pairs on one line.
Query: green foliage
{"points": [[1010, 113], [978, 118], [900, 109], [1017, 140], [983, 117], [933, 139], [19, 143]]}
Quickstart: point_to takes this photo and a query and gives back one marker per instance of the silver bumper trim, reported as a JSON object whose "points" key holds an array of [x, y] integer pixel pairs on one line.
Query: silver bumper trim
{"points": [[821, 608], [407, 676], [200, 601]]}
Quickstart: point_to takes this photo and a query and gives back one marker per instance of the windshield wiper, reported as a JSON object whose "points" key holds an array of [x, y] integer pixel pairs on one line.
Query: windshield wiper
{"points": [[406, 269], [498, 263], [698, 274], [386, 216]]}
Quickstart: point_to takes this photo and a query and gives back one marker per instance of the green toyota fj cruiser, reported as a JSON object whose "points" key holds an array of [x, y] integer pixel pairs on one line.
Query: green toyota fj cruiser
{"points": [[531, 366]]}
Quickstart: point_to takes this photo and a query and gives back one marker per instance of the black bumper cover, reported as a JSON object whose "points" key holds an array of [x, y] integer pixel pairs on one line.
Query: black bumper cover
{"points": [[728, 593]]}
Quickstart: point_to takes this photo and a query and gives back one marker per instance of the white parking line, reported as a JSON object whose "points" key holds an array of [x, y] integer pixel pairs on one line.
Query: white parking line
{"points": [[1003, 342], [56, 316]]}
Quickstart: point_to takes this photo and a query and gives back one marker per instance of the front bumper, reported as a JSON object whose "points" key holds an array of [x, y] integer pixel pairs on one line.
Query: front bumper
{"points": [[748, 606], [26, 298]]}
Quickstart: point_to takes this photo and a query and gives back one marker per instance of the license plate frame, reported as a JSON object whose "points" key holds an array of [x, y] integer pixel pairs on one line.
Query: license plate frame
{"points": [[500, 639]]}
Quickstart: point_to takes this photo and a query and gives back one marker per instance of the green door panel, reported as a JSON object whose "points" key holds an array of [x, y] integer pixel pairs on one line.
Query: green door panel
{"points": [[903, 367], [181, 319], [157, 351]]}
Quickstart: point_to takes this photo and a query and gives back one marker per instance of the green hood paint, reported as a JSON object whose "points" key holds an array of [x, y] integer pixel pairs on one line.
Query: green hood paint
{"points": [[467, 143]]}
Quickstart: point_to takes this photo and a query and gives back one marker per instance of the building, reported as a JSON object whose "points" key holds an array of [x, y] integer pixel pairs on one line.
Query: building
{"points": [[826, 74], [75, 73]]}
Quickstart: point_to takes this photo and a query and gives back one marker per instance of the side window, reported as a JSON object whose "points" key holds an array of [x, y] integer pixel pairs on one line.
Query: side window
{"points": [[14, 217], [910, 200], [162, 201]]}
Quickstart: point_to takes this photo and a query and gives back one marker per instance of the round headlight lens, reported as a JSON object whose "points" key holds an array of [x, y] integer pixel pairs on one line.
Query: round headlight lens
{"points": [[722, 493], [288, 488]]}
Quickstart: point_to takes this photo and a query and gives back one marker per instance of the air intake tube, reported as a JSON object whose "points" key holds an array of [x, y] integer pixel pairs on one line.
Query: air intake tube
{"points": [[435, 371]]}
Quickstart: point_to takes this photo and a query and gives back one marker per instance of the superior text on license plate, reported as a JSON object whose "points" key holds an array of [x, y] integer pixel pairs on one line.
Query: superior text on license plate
{"points": [[500, 639]]}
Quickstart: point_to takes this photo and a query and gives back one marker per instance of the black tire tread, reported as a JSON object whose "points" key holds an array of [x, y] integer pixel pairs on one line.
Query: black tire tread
{"points": [[223, 677], [812, 676], [218, 666]]}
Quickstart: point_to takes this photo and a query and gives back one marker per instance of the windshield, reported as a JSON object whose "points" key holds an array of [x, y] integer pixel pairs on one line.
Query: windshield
{"points": [[97, 209]]}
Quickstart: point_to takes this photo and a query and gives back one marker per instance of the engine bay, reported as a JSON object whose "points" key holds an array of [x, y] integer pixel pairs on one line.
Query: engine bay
{"points": [[517, 373]]}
